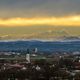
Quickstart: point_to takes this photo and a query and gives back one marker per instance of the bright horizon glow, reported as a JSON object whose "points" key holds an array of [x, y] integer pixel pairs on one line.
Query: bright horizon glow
{"points": [[53, 21]]}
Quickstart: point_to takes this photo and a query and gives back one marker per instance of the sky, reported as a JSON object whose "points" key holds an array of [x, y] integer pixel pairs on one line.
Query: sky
{"points": [[38, 8], [39, 12]]}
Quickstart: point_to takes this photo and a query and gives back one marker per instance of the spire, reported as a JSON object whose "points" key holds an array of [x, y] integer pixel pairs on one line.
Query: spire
{"points": [[28, 57]]}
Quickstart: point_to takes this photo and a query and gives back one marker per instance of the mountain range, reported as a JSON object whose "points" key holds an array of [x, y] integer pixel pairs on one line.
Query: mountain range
{"points": [[39, 32]]}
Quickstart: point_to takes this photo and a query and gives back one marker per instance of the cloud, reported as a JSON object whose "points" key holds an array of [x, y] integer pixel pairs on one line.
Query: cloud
{"points": [[53, 21], [40, 8]]}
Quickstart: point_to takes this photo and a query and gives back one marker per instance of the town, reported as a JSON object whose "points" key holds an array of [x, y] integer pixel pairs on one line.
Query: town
{"points": [[35, 65]]}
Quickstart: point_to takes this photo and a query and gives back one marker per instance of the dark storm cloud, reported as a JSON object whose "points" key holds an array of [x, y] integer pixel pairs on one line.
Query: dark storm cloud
{"points": [[32, 8]]}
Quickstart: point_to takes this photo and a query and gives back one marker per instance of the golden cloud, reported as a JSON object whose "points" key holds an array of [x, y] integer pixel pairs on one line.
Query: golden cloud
{"points": [[55, 21]]}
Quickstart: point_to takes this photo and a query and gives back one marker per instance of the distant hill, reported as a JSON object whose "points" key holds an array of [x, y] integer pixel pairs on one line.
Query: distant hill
{"points": [[43, 46]]}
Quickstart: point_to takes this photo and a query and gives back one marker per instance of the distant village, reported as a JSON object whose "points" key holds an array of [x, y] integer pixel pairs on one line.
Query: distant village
{"points": [[35, 65]]}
